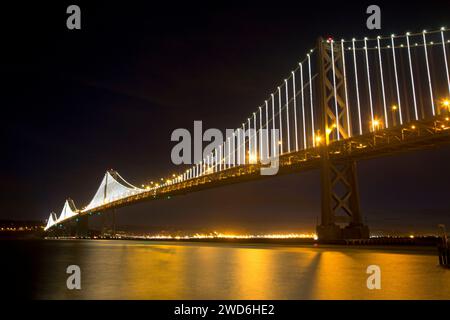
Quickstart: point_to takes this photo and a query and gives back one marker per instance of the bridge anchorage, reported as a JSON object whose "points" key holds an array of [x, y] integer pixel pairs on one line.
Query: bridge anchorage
{"points": [[346, 101]]}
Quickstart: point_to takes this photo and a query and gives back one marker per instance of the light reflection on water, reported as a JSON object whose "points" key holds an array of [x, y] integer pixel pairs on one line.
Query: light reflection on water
{"points": [[168, 270]]}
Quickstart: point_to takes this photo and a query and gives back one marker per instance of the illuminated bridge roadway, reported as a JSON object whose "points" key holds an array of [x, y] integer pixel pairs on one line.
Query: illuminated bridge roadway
{"points": [[347, 100]]}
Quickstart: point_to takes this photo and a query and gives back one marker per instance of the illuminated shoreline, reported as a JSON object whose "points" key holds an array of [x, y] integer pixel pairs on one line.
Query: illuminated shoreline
{"points": [[233, 236], [271, 237]]}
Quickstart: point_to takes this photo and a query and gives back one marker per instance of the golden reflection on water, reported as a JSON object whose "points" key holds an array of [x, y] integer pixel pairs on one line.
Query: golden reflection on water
{"points": [[253, 272], [163, 270]]}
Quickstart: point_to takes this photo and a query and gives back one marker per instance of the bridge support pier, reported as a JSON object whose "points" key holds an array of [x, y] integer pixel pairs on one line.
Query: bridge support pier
{"points": [[340, 202], [340, 196], [109, 223], [82, 227]]}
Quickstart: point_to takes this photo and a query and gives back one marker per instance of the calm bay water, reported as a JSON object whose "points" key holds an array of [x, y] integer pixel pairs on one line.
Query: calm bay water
{"points": [[173, 270]]}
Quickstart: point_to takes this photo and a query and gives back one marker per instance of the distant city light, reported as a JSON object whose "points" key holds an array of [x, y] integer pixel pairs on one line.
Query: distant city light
{"points": [[218, 235]]}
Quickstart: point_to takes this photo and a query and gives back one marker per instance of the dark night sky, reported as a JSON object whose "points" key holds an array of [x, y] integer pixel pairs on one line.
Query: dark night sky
{"points": [[75, 103]]}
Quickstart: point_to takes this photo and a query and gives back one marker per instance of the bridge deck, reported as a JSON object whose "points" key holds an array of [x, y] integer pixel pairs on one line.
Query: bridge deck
{"points": [[416, 135]]}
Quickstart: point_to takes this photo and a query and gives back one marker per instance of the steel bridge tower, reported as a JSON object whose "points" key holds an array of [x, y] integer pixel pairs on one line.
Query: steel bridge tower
{"points": [[340, 194]]}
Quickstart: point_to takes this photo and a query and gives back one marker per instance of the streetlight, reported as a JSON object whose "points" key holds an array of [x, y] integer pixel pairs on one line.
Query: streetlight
{"points": [[376, 124], [252, 158], [318, 140], [394, 114], [328, 132], [444, 106]]}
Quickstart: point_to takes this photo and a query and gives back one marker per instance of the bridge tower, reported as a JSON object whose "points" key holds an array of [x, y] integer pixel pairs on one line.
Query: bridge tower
{"points": [[340, 195]]}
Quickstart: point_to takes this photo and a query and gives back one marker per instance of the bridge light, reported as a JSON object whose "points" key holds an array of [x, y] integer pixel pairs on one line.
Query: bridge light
{"points": [[394, 108], [318, 139], [446, 103], [376, 124], [413, 127]]}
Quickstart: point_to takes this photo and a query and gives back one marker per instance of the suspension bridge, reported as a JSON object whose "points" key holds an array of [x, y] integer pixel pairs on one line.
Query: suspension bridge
{"points": [[347, 100]]}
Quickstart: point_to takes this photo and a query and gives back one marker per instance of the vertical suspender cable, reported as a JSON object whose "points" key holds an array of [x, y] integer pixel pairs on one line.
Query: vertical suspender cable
{"points": [[347, 107], [357, 86], [255, 138], [250, 144], [412, 76], [267, 130], [229, 152], [220, 158], [396, 80], [233, 148], [260, 133], [382, 83], [368, 83], [281, 120], [287, 116], [243, 142], [311, 101], [238, 146], [303, 106], [334, 89], [295, 111], [428, 71], [273, 127]]}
